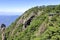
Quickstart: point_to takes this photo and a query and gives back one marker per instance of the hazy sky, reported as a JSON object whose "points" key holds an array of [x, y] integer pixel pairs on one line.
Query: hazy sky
{"points": [[22, 5]]}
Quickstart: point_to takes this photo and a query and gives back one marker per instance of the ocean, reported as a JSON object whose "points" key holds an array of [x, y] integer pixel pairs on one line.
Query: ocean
{"points": [[7, 20]]}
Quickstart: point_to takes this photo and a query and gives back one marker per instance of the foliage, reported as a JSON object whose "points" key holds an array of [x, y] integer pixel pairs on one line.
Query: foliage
{"points": [[52, 31]]}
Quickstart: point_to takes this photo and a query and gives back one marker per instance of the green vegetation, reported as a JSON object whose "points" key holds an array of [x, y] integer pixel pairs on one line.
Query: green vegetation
{"points": [[45, 25]]}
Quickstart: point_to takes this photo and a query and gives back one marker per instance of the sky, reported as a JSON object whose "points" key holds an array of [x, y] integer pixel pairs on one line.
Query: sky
{"points": [[17, 7]]}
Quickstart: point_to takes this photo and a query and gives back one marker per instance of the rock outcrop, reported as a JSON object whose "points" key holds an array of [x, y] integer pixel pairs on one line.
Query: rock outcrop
{"points": [[3, 26]]}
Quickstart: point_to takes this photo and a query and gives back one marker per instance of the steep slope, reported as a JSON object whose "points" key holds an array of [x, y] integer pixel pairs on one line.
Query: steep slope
{"points": [[37, 23]]}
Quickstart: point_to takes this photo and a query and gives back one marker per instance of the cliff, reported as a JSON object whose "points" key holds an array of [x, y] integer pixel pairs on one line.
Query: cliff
{"points": [[37, 23]]}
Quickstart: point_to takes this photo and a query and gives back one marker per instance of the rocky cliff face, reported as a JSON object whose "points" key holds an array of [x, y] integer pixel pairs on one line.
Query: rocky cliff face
{"points": [[2, 30], [38, 23]]}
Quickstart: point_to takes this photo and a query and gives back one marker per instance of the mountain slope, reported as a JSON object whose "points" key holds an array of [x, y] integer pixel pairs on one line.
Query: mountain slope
{"points": [[37, 23]]}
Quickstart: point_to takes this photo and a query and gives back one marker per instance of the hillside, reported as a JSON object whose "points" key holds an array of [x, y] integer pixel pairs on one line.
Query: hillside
{"points": [[37, 23]]}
